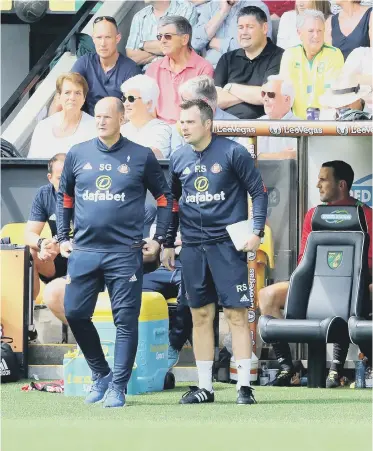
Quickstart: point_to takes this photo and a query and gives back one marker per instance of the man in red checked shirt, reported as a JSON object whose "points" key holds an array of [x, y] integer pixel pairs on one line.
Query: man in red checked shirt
{"points": [[277, 9], [334, 184]]}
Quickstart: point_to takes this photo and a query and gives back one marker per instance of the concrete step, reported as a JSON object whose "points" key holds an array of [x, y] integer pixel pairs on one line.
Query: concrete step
{"points": [[47, 372], [54, 372], [53, 353], [48, 354]]}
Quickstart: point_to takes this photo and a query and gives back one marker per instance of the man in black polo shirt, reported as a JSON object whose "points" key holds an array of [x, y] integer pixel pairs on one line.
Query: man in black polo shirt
{"points": [[240, 74]]}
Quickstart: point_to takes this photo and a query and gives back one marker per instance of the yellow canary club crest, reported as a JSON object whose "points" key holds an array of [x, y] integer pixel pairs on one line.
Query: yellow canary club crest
{"points": [[335, 259]]}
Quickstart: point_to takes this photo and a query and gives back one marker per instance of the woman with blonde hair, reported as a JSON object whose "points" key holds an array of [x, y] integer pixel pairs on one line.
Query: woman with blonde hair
{"points": [[59, 132], [287, 35], [351, 28]]}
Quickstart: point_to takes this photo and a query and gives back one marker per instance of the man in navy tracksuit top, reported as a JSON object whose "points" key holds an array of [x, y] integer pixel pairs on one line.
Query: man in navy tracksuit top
{"points": [[105, 181], [210, 178]]}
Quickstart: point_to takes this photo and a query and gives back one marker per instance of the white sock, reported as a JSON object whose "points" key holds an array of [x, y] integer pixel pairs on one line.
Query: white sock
{"points": [[204, 368], [243, 373]]}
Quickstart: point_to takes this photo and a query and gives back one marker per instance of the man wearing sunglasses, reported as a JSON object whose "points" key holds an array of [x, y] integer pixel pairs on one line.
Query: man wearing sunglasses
{"points": [[278, 98], [179, 64], [142, 44], [240, 74], [107, 69]]}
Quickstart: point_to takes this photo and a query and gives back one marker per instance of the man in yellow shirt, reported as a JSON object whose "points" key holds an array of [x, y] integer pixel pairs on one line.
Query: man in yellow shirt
{"points": [[312, 65]]}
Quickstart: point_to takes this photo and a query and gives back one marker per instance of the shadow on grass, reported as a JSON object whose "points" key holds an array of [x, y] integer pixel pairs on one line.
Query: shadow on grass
{"points": [[134, 402]]}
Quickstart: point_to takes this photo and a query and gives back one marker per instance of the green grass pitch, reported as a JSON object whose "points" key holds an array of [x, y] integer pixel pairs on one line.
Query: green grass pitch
{"points": [[284, 419]]}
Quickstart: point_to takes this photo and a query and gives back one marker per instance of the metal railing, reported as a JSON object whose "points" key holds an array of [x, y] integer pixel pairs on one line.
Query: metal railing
{"points": [[57, 47]]}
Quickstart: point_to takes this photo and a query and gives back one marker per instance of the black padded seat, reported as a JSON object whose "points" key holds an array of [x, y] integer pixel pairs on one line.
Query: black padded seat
{"points": [[326, 287]]}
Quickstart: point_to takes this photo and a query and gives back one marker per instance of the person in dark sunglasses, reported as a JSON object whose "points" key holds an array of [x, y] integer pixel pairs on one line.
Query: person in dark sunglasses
{"points": [[278, 98], [142, 44], [140, 98], [179, 64], [107, 69]]}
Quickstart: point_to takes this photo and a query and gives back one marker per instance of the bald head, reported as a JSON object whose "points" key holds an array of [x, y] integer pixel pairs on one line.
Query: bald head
{"points": [[111, 102], [109, 115]]}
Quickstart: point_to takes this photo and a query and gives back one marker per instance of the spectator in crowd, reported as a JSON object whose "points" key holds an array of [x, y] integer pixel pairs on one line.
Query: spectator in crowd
{"points": [[287, 35], [240, 74], [216, 31], [351, 28], [334, 183], [106, 70], [59, 132], [311, 66], [278, 98], [168, 284], [345, 99], [335, 7], [140, 97], [49, 265], [277, 9], [179, 64], [142, 45], [201, 87], [359, 65], [198, 4]]}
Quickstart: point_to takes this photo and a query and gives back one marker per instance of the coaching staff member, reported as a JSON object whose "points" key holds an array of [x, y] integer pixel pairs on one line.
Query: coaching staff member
{"points": [[209, 179], [105, 181]]}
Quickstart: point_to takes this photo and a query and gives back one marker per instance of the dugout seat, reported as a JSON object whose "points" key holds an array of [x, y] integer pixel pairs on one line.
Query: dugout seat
{"points": [[326, 287], [359, 326]]}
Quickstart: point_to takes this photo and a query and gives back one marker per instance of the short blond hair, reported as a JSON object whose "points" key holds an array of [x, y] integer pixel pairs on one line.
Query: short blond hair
{"points": [[73, 77]]}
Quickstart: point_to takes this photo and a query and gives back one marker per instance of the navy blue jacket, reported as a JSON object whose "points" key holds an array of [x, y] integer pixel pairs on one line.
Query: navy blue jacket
{"points": [[210, 189], [107, 189]]}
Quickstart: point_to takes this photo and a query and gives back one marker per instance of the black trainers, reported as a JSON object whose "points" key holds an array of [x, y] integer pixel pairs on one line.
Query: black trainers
{"points": [[283, 378], [245, 396], [333, 379], [32, 334], [197, 396]]}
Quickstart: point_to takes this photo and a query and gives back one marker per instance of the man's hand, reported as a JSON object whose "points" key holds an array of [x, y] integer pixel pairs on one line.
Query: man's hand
{"points": [[66, 249], [215, 44], [168, 258], [225, 7], [151, 248], [49, 249], [252, 244]]}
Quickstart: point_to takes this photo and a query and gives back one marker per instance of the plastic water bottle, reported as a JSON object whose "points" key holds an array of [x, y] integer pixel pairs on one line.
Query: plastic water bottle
{"points": [[360, 368], [264, 378], [368, 378]]}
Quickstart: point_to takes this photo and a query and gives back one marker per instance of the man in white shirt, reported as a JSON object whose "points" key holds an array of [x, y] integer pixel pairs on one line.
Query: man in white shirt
{"points": [[140, 98], [278, 98]]}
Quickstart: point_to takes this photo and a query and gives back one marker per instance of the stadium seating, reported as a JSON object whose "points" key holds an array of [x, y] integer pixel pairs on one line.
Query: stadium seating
{"points": [[326, 287]]}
